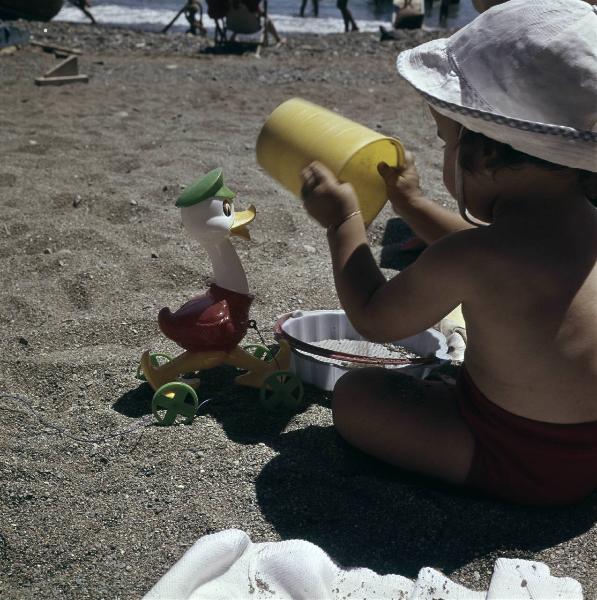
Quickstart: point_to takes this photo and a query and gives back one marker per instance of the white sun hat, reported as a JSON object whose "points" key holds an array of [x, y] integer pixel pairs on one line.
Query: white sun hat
{"points": [[523, 73]]}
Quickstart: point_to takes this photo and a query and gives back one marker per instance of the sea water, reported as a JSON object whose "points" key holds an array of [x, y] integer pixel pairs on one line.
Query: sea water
{"points": [[153, 15]]}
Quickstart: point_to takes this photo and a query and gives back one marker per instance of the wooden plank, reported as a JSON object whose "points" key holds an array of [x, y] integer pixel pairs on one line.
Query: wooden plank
{"points": [[52, 48], [62, 80]]}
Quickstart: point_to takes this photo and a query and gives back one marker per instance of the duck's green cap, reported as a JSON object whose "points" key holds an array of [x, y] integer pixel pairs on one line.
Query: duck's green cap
{"points": [[209, 186]]}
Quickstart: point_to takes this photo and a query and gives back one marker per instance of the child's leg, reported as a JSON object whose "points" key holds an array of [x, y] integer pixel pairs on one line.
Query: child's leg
{"points": [[404, 421]]}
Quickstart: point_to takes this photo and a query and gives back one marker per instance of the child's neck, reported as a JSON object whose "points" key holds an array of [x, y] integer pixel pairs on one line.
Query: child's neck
{"points": [[538, 192]]}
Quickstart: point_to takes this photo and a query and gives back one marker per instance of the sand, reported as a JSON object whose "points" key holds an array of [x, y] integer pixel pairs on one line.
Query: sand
{"points": [[91, 248]]}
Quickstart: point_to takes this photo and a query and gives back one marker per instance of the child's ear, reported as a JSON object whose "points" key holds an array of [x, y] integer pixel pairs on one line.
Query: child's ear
{"points": [[478, 152]]}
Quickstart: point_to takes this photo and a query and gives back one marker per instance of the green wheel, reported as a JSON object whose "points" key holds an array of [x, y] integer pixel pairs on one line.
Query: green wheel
{"points": [[259, 351], [281, 390], [176, 398], [154, 358]]}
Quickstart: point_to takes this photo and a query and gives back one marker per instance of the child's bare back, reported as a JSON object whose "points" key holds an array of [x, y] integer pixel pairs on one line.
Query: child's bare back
{"points": [[530, 284]]}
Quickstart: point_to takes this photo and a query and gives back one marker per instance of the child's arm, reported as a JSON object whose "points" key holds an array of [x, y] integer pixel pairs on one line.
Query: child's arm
{"points": [[415, 299], [426, 218]]}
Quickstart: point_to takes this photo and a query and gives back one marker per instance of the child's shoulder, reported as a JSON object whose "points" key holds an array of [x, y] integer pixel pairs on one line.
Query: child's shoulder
{"points": [[459, 257], [469, 245], [483, 254]]}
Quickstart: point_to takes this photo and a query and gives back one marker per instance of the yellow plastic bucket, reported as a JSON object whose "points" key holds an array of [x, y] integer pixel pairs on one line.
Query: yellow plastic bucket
{"points": [[299, 132]]}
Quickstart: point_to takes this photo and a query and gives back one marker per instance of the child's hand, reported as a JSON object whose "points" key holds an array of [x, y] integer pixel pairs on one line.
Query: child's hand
{"points": [[327, 200], [402, 183]]}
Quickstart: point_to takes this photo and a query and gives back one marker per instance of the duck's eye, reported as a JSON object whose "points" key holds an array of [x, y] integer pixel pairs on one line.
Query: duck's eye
{"points": [[227, 208]]}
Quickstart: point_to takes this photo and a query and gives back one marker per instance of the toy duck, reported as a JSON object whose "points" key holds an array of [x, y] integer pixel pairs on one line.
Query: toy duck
{"points": [[210, 326]]}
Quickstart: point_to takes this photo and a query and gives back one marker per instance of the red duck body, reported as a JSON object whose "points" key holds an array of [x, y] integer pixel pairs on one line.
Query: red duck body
{"points": [[214, 321]]}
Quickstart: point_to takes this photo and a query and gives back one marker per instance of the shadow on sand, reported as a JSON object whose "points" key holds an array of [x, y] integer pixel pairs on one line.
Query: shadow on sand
{"points": [[360, 511], [393, 256], [236, 408], [231, 48], [364, 513]]}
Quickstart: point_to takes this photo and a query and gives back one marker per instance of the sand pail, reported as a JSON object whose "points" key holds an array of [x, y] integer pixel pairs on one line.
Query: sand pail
{"points": [[299, 132]]}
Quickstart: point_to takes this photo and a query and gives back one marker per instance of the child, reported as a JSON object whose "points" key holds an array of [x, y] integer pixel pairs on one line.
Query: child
{"points": [[521, 423]]}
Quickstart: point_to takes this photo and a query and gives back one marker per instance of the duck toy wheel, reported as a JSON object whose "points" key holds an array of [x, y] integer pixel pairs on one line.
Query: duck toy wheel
{"points": [[176, 398], [281, 390]]}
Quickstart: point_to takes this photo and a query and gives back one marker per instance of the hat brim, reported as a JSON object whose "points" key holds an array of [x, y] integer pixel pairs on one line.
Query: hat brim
{"points": [[189, 198], [427, 69]]}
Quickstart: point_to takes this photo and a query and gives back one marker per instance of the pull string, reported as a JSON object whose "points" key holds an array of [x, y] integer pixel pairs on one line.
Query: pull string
{"points": [[19, 399], [253, 325]]}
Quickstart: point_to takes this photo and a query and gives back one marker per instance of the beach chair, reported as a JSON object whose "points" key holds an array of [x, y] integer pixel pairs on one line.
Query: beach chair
{"points": [[239, 17]]}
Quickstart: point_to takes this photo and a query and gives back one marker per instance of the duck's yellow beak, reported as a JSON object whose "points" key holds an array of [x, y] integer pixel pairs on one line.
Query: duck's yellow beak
{"points": [[241, 220]]}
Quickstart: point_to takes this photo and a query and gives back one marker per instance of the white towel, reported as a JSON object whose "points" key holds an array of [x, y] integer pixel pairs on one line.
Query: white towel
{"points": [[228, 565]]}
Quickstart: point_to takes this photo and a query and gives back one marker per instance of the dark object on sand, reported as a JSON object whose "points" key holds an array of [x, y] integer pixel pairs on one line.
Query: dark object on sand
{"points": [[32, 10], [407, 16], [58, 51], [12, 36]]}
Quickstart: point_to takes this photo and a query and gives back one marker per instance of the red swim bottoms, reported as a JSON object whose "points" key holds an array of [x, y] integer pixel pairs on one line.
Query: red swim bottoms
{"points": [[527, 461]]}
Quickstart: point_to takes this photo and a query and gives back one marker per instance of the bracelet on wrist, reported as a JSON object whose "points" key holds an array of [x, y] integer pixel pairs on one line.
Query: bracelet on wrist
{"points": [[348, 217]]}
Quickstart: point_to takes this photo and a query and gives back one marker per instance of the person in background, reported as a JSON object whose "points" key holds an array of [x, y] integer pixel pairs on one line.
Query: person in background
{"points": [[315, 7], [219, 9], [84, 6], [349, 22], [405, 16], [191, 9], [256, 7]]}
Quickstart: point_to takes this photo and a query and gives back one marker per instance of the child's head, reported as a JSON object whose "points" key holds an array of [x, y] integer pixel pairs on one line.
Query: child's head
{"points": [[518, 85], [491, 168]]}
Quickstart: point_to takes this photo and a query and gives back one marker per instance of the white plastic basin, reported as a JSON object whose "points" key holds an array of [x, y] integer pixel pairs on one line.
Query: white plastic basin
{"points": [[323, 372]]}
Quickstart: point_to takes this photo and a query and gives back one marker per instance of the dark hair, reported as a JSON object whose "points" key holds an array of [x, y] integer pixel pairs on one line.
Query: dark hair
{"points": [[503, 156], [499, 155]]}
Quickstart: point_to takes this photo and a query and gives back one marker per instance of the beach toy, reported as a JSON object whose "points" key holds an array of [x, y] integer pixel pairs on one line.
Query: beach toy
{"points": [[211, 325], [298, 132], [325, 345], [176, 398]]}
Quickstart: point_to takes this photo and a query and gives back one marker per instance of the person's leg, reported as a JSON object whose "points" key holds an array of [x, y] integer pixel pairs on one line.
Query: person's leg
{"points": [[90, 16], [200, 25], [341, 5], [315, 8], [404, 421], [346, 22], [269, 25], [303, 6], [443, 11], [353, 24]]}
